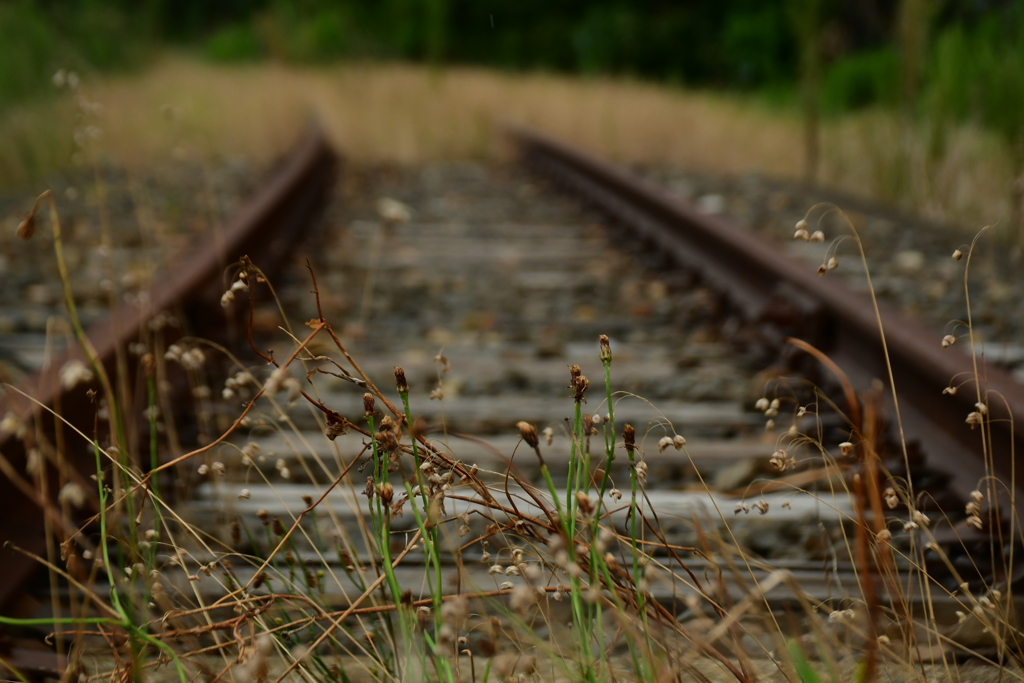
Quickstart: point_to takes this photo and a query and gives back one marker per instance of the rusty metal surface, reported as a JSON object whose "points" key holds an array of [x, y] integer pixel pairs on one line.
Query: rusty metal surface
{"points": [[761, 279], [264, 228]]}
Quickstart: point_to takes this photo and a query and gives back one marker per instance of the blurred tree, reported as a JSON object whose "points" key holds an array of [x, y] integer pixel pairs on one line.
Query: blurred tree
{"points": [[436, 26], [976, 72], [806, 18]]}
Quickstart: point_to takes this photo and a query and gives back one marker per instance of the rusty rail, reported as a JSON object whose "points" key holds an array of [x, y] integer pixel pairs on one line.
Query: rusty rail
{"points": [[265, 229], [766, 283]]}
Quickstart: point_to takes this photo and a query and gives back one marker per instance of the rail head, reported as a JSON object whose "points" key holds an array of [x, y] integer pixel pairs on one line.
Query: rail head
{"points": [[751, 270], [266, 225]]}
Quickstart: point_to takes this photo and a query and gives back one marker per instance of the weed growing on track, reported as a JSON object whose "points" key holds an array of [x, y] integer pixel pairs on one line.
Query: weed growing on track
{"points": [[566, 578]]}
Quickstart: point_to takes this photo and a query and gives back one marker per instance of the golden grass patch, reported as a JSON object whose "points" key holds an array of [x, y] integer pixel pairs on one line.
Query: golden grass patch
{"points": [[405, 114]]}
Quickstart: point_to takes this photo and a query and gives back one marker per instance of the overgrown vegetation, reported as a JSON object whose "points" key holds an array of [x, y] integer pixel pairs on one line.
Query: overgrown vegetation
{"points": [[741, 44], [567, 577]]}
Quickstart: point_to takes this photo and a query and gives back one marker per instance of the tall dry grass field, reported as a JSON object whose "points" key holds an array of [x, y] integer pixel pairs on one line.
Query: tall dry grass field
{"points": [[404, 114]]}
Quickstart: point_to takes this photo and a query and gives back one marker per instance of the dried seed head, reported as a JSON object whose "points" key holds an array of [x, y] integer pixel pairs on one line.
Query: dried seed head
{"points": [[549, 435], [393, 211], [27, 227], [975, 521], [948, 341], [596, 419], [957, 254], [891, 499], [227, 298], [629, 438], [972, 507], [921, 518], [741, 507], [574, 372], [263, 516], [387, 493], [977, 496], [588, 425], [884, 536], [455, 610], [982, 408], [73, 373], [974, 419], [72, 494], [148, 365], [845, 447], [244, 494], [579, 388], [801, 224], [388, 434], [663, 443], [606, 349], [529, 434], [274, 382], [678, 441], [334, 427], [583, 503], [833, 263], [781, 460], [801, 234], [950, 390], [762, 506], [615, 494], [368, 404], [817, 236], [841, 616], [400, 381], [762, 405]]}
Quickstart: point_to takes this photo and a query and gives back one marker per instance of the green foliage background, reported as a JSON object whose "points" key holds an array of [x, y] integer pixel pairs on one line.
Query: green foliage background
{"points": [[973, 69]]}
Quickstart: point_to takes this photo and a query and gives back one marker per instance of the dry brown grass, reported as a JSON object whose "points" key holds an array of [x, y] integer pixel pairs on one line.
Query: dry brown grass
{"points": [[405, 114]]}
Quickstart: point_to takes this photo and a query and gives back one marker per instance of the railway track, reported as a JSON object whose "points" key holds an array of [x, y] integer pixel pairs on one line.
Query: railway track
{"points": [[485, 284]]}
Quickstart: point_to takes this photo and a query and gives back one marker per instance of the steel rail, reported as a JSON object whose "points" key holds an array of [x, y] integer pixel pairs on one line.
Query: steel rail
{"points": [[265, 228], [768, 284]]}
